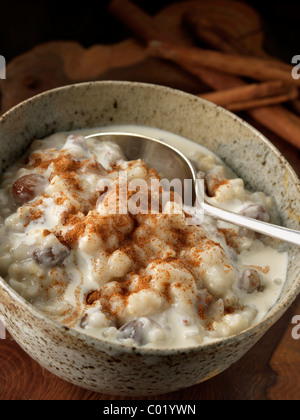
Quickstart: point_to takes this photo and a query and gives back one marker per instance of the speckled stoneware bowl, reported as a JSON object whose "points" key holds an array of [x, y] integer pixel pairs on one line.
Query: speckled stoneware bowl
{"points": [[114, 369]]}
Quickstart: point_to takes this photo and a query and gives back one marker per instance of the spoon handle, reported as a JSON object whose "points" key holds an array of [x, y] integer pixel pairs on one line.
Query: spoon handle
{"points": [[278, 232]]}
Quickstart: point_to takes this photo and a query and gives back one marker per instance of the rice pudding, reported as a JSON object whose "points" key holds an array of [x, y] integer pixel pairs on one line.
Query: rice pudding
{"points": [[145, 278]]}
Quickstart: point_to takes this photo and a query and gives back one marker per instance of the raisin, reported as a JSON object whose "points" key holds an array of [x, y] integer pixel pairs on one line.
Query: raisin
{"points": [[256, 211], [77, 141], [136, 330], [93, 167], [214, 179], [83, 322], [250, 281], [93, 297], [28, 187], [206, 303], [50, 257]]}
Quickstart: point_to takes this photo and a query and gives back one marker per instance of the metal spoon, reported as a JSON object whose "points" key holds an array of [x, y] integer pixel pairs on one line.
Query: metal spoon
{"points": [[171, 164]]}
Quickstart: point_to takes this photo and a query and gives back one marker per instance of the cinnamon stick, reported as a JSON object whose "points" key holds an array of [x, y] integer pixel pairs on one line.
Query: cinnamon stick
{"points": [[280, 121], [259, 103], [216, 37], [204, 30], [234, 64], [141, 24], [251, 92], [296, 106], [219, 39]]}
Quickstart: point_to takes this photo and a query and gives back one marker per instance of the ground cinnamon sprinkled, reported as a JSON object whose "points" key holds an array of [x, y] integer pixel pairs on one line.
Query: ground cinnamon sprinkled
{"points": [[215, 182], [136, 243], [72, 320], [264, 270], [205, 306], [229, 310], [60, 200], [207, 244], [35, 161], [69, 216], [144, 283], [231, 238], [93, 297], [153, 174], [35, 213], [166, 291], [70, 237], [64, 165], [202, 312], [59, 285]]}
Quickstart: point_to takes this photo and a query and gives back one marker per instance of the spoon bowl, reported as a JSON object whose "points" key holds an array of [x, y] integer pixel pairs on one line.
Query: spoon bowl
{"points": [[171, 164]]}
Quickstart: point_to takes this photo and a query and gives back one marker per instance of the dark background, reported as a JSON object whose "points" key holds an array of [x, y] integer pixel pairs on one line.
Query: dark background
{"points": [[25, 24]]}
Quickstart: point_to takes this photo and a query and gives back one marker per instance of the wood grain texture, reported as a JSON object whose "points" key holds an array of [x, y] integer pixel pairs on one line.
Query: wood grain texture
{"points": [[286, 363], [271, 369]]}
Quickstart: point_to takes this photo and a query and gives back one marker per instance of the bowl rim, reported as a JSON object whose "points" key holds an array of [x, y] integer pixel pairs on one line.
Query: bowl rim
{"points": [[96, 342]]}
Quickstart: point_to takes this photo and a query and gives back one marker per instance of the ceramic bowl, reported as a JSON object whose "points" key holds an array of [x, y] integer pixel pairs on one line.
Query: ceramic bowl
{"points": [[114, 369]]}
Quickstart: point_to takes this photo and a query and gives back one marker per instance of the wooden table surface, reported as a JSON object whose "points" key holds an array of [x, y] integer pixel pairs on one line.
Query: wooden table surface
{"points": [[270, 370]]}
